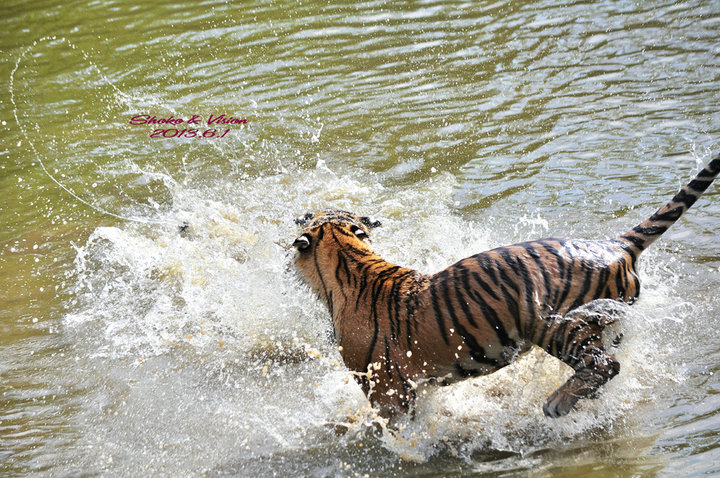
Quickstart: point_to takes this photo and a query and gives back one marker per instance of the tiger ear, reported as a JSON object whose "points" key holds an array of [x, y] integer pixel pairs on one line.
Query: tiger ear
{"points": [[359, 232], [370, 223], [301, 221]]}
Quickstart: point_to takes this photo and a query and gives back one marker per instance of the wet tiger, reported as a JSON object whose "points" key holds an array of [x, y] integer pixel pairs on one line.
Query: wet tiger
{"points": [[396, 326]]}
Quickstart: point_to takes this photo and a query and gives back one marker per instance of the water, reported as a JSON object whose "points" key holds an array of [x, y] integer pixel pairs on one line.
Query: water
{"points": [[127, 349]]}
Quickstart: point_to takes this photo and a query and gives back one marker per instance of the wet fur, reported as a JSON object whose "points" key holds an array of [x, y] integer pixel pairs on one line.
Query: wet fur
{"points": [[396, 326]]}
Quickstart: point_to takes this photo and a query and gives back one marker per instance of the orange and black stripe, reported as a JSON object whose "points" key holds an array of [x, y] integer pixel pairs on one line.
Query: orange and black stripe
{"points": [[475, 316]]}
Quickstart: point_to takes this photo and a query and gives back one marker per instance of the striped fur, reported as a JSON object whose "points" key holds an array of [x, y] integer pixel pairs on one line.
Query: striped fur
{"points": [[396, 326]]}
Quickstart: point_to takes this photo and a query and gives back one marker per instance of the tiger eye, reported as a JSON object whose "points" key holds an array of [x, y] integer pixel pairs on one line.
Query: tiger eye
{"points": [[302, 242]]}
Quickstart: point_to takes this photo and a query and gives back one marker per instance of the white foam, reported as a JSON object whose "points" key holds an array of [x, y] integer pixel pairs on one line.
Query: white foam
{"points": [[228, 300]]}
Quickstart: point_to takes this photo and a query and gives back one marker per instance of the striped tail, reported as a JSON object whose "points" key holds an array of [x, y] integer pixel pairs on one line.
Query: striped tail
{"points": [[650, 229]]}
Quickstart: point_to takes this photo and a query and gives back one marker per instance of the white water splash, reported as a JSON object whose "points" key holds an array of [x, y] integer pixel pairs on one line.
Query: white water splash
{"points": [[226, 300]]}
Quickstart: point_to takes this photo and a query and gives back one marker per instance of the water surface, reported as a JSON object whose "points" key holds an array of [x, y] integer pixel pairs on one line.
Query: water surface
{"points": [[127, 349]]}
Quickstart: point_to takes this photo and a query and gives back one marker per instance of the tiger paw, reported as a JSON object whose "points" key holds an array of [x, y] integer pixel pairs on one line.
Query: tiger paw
{"points": [[559, 404]]}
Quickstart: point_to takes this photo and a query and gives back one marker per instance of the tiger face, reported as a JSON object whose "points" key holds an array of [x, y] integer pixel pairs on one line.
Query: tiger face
{"points": [[323, 233]]}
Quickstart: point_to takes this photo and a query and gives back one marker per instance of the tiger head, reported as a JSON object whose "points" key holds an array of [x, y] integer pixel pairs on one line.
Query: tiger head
{"points": [[323, 233]]}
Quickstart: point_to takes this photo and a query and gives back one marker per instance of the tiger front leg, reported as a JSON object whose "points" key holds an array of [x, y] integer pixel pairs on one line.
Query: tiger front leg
{"points": [[388, 391], [578, 343]]}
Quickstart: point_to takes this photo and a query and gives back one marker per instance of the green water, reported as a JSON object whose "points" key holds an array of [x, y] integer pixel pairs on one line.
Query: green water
{"points": [[126, 349]]}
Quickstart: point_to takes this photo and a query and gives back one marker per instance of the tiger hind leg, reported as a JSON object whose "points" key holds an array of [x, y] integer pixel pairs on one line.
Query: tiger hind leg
{"points": [[576, 339]]}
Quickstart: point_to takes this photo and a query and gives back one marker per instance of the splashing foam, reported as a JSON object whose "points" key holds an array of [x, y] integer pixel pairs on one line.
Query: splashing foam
{"points": [[229, 292]]}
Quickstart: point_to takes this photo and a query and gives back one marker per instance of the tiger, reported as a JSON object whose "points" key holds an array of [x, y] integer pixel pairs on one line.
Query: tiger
{"points": [[396, 327]]}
